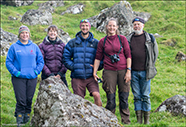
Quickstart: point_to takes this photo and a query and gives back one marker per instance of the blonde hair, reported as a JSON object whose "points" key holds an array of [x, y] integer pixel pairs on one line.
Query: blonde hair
{"points": [[112, 19]]}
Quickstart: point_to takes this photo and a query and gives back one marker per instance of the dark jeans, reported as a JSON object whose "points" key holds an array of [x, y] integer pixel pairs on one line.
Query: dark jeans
{"points": [[24, 90]]}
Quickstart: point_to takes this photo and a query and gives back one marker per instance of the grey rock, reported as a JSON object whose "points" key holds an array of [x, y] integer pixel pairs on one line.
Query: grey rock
{"points": [[57, 106], [156, 35], [64, 36], [122, 11], [17, 3], [6, 40], [176, 105], [12, 18], [180, 56], [50, 5], [75, 9], [34, 17]]}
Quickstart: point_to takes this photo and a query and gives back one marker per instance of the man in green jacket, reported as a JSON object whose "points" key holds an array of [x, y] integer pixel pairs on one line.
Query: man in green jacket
{"points": [[144, 51]]}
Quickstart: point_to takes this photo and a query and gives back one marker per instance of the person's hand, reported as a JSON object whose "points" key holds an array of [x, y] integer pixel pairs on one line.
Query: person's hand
{"points": [[92, 65], [127, 77], [58, 76], [95, 77]]}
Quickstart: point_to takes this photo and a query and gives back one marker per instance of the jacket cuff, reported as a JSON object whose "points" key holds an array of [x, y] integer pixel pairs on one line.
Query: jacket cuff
{"points": [[61, 74], [18, 73], [36, 72], [52, 74]]}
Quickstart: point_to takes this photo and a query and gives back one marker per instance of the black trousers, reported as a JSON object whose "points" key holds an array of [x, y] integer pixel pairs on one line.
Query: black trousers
{"points": [[24, 90]]}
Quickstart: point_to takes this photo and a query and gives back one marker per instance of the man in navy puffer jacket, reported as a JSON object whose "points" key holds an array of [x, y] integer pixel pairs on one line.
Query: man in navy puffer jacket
{"points": [[78, 56]]}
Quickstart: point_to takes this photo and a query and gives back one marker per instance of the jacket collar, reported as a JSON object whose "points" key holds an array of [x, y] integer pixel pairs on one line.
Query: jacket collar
{"points": [[46, 40], [79, 38]]}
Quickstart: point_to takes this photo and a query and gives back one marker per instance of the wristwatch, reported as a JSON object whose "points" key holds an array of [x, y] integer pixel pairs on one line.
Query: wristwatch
{"points": [[129, 68]]}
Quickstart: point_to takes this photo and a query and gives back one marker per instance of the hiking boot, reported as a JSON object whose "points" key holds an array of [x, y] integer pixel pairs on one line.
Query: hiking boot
{"points": [[26, 117], [139, 116], [19, 119], [146, 117]]}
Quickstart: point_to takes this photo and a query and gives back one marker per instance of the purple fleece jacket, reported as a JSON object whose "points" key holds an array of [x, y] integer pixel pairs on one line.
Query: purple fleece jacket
{"points": [[52, 55]]}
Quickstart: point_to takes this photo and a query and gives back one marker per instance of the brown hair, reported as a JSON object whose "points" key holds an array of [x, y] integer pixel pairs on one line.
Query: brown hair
{"points": [[53, 27], [112, 19]]}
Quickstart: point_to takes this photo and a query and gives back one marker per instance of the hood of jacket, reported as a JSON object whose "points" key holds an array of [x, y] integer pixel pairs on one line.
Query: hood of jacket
{"points": [[20, 43], [47, 41]]}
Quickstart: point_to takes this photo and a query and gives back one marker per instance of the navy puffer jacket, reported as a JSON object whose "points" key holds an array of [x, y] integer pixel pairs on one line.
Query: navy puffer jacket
{"points": [[52, 55], [79, 54]]}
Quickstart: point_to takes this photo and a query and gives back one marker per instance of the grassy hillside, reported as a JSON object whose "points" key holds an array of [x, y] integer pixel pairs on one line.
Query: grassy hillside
{"points": [[168, 20]]}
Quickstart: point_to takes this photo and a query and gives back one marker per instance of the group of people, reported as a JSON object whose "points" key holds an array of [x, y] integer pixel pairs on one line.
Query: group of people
{"points": [[125, 61]]}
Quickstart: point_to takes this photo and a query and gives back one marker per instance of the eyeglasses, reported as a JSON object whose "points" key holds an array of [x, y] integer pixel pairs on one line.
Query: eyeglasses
{"points": [[84, 20]]}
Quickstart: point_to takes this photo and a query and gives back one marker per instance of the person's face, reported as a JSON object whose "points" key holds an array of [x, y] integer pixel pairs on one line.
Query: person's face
{"points": [[24, 36], [52, 34], [112, 27], [85, 27], [138, 27]]}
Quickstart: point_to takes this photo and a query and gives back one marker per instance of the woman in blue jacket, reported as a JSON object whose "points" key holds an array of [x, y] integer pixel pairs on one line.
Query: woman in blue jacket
{"points": [[24, 62]]}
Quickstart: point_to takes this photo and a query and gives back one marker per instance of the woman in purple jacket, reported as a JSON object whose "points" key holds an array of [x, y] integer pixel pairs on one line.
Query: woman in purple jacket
{"points": [[117, 66], [52, 49]]}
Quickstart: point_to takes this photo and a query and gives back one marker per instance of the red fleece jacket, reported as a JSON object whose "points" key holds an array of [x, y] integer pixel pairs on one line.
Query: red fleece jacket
{"points": [[112, 46]]}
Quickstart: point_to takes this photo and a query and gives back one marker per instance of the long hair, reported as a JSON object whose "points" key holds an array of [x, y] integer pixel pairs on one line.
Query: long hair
{"points": [[112, 19]]}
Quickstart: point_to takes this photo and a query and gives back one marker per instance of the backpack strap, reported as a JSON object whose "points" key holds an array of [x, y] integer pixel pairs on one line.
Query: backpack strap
{"points": [[152, 38], [119, 49]]}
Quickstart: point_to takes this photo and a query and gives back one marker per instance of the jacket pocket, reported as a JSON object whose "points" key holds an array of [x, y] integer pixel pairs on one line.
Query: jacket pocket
{"points": [[28, 73], [151, 73]]}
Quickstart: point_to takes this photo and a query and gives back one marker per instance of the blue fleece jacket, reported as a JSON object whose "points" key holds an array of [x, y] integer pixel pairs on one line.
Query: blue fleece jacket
{"points": [[24, 61]]}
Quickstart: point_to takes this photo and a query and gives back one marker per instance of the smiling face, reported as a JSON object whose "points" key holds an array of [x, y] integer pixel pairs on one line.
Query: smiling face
{"points": [[111, 28], [85, 27], [138, 27], [24, 36], [52, 33]]}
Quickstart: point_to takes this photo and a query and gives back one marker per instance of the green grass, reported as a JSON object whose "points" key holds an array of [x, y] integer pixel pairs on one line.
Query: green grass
{"points": [[168, 20]]}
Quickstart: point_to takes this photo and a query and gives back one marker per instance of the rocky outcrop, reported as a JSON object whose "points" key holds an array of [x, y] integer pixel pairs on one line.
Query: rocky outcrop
{"points": [[75, 9], [176, 105], [6, 40], [64, 36], [180, 56], [169, 42], [122, 11], [57, 106], [34, 17], [17, 3], [51, 5]]}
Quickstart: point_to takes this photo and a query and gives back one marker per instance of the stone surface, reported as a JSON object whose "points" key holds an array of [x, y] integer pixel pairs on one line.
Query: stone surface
{"points": [[51, 5], [17, 3], [34, 17], [64, 36], [176, 105], [6, 40], [75, 9], [122, 11], [180, 56], [169, 42], [57, 106]]}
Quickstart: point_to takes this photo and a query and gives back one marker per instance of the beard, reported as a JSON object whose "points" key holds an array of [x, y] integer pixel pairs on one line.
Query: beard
{"points": [[138, 32], [85, 33]]}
